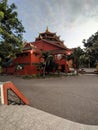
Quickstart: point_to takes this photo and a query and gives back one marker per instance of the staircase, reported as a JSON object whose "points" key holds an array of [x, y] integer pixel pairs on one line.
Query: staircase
{"points": [[10, 95]]}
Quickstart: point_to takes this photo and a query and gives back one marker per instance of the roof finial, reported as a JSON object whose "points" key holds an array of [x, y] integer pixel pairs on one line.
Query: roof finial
{"points": [[47, 29]]}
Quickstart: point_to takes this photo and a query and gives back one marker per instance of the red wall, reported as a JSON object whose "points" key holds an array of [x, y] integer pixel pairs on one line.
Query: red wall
{"points": [[28, 60], [33, 60]]}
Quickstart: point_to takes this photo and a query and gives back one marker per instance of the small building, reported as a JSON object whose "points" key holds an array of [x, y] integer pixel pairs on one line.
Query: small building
{"points": [[25, 62]]}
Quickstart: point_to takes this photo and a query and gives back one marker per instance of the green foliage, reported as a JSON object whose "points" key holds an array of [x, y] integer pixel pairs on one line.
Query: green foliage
{"points": [[76, 56], [49, 65], [1, 15], [27, 77], [11, 30], [91, 49]]}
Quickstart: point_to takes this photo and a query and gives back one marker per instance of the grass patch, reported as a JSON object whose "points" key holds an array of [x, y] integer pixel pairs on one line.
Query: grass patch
{"points": [[29, 76], [51, 75]]}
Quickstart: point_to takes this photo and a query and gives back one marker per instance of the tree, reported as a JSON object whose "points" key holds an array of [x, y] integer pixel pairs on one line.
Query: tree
{"points": [[91, 49], [78, 52], [49, 64], [11, 30]]}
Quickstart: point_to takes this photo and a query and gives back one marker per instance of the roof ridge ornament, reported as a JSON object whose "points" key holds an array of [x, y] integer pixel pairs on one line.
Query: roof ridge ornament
{"points": [[47, 30]]}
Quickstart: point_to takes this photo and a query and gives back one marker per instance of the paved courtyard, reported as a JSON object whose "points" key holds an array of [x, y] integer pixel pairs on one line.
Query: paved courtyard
{"points": [[73, 97]]}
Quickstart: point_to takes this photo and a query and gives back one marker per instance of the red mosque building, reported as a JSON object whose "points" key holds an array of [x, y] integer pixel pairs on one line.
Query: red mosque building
{"points": [[27, 62]]}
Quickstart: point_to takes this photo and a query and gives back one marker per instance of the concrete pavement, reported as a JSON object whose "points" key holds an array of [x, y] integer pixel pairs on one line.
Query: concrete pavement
{"points": [[28, 118]]}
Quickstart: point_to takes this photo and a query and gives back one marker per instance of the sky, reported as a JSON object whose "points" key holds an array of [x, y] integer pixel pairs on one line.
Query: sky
{"points": [[72, 20]]}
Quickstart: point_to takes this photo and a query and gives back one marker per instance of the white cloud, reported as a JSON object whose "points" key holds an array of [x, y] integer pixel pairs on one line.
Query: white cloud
{"points": [[73, 20]]}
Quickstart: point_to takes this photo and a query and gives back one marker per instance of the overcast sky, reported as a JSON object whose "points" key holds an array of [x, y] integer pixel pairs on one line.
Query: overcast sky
{"points": [[73, 20]]}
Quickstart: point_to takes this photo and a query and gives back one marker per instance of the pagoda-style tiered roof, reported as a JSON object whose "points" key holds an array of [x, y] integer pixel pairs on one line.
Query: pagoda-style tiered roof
{"points": [[50, 37]]}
